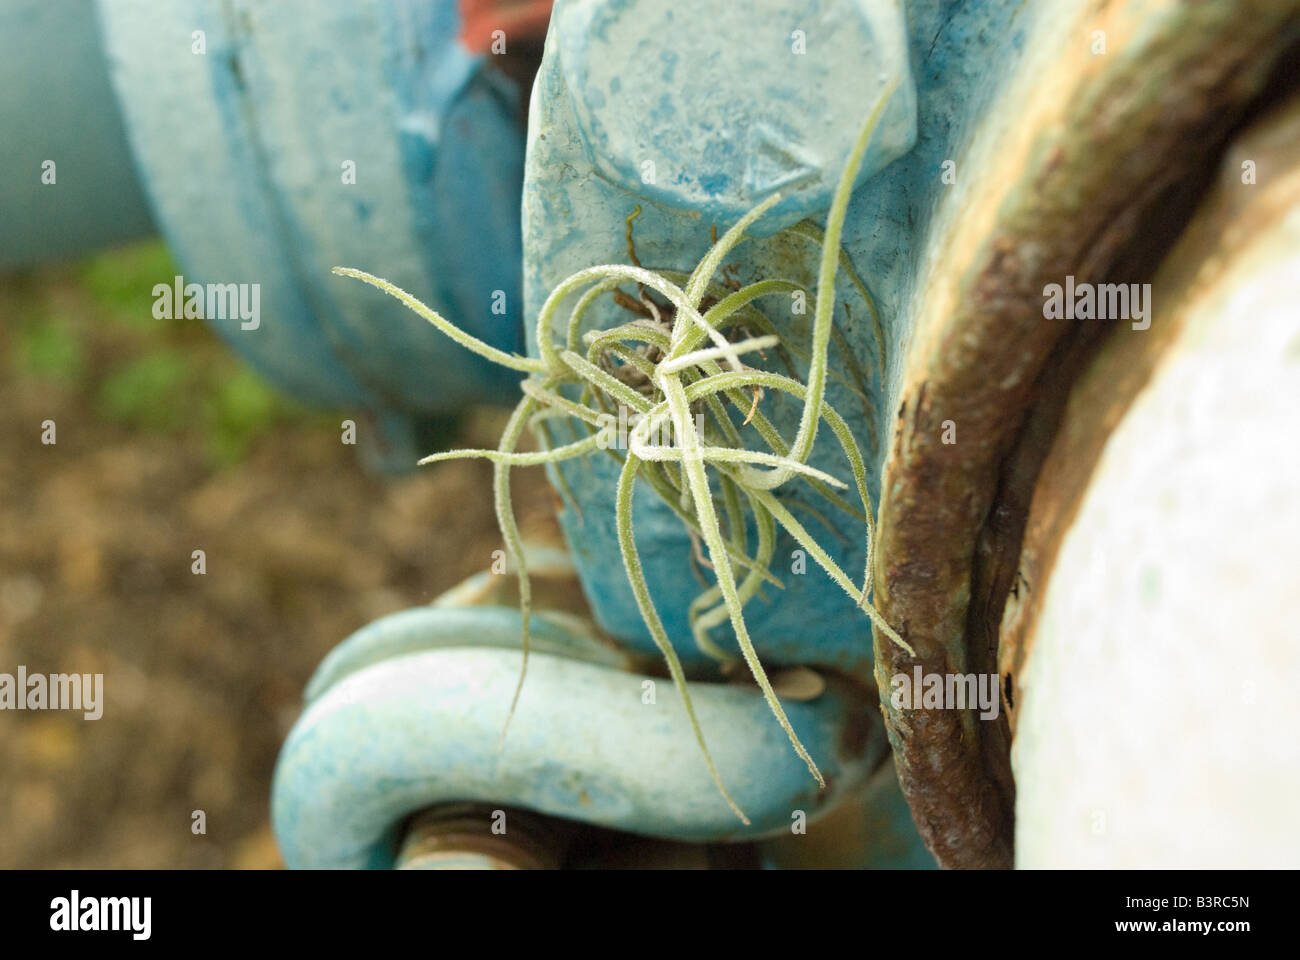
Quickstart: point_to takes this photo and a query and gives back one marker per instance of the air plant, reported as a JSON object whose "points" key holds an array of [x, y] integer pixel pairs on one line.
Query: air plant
{"points": [[678, 356]]}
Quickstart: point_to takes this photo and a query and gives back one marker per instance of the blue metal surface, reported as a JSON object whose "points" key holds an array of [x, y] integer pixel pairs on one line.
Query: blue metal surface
{"points": [[382, 739], [56, 104], [718, 97], [242, 148], [422, 629], [743, 73]]}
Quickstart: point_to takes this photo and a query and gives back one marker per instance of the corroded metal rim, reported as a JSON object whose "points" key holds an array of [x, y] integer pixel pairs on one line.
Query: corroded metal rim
{"points": [[1230, 221], [1096, 144]]}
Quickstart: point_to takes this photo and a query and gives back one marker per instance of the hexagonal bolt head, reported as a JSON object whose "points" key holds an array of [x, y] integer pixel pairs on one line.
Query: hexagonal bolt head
{"points": [[714, 106]]}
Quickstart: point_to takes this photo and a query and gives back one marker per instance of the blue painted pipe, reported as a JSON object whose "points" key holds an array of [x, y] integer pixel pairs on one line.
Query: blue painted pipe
{"points": [[275, 139], [57, 107], [249, 149]]}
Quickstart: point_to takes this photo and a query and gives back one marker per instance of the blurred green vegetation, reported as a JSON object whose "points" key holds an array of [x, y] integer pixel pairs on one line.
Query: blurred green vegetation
{"points": [[50, 350], [166, 376]]}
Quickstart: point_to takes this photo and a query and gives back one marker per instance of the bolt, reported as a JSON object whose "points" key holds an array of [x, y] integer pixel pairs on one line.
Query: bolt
{"points": [[714, 107], [477, 837]]}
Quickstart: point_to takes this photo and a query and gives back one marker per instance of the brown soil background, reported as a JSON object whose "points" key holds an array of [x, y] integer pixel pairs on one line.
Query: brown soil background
{"points": [[202, 674]]}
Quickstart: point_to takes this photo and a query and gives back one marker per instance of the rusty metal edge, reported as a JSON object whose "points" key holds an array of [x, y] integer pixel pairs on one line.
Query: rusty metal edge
{"points": [[1103, 393], [1099, 144]]}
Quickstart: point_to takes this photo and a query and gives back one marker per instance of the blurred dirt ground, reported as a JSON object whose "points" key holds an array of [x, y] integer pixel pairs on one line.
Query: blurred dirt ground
{"points": [[166, 445]]}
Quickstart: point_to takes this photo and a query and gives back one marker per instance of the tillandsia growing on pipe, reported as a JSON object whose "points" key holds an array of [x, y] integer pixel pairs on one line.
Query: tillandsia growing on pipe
{"points": [[677, 361]]}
